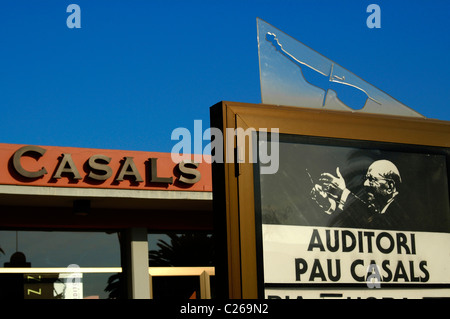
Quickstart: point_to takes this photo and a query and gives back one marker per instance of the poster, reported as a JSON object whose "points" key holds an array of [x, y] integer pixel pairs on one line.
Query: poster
{"points": [[364, 215]]}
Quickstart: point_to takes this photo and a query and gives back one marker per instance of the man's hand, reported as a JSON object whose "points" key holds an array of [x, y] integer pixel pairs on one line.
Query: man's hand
{"points": [[322, 199], [333, 185]]}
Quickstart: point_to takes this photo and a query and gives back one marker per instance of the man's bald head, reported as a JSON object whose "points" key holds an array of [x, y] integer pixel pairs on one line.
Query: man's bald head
{"points": [[384, 169], [381, 184]]}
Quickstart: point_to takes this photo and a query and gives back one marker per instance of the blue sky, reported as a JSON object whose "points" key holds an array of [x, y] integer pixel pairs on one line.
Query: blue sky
{"points": [[136, 70]]}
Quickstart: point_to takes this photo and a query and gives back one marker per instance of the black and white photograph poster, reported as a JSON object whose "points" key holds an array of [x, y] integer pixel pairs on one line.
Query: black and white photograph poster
{"points": [[346, 219]]}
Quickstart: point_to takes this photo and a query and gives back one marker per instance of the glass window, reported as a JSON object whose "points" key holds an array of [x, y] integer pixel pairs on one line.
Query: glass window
{"points": [[60, 265], [181, 265], [181, 249]]}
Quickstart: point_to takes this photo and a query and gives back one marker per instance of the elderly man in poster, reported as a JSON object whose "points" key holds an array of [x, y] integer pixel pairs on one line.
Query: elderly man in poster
{"points": [[376, 210]]}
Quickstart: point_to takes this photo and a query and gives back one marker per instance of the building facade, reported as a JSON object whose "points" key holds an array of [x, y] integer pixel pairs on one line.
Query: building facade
{"points": [[88, 223]]}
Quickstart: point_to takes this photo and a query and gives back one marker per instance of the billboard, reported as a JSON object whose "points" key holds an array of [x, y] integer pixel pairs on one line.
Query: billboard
{"points": [[340, 214], [358, 206]]}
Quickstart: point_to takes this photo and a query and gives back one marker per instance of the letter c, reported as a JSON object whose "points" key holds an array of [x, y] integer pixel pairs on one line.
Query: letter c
{"points": [[34, 151], [353, 272], [226, 306]]}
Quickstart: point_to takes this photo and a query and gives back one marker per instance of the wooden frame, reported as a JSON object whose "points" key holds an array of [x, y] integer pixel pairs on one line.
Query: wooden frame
{"points": [[233, 183], [204, 274]]}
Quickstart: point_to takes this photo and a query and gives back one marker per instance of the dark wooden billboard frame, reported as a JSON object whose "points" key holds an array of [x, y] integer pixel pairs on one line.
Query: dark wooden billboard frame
{"points": [[233, 184]]}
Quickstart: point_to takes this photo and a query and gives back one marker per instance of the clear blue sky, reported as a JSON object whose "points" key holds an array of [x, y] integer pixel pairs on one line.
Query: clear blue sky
{"points": [[138, 69]]}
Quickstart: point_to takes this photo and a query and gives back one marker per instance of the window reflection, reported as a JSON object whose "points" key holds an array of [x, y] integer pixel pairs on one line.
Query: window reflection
{"points": [[182, 252], [181, 249], [61, 249], [59, 265]]}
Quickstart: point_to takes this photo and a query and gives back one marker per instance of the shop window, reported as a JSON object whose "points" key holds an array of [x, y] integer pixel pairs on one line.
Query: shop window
{"points": [[59, 265], [181, 249], [181, 265]]}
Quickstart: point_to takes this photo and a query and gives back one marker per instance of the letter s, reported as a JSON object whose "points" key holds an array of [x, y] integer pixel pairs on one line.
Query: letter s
{"points": [[189, 171], [95, 164], [425, 271]]}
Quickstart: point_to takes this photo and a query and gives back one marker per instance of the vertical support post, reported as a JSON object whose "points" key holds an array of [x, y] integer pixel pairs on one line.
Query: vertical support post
{"points": [[138, 283], [150, 280], [205, 286]]}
